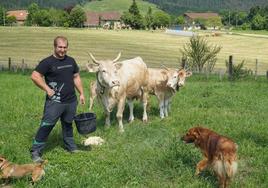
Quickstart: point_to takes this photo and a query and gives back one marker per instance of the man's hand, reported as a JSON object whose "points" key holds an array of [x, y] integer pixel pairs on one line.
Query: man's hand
{"points": [[82, 99], [50, 92]]}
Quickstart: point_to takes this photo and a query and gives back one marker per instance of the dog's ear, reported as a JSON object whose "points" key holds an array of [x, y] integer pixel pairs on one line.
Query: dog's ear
{"points": [[197, 134]]}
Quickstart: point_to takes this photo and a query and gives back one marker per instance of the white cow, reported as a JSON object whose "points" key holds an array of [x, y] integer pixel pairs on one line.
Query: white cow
{"points": [[164, 83], [118, 81]]}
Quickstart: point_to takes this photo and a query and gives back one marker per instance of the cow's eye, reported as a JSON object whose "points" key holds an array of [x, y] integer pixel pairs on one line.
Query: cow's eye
{"points": [[175, 77], [104, 71]]}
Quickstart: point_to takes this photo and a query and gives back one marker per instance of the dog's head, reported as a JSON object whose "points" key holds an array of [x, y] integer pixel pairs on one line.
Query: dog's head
{"points": [[192, 135], [2, 161]]}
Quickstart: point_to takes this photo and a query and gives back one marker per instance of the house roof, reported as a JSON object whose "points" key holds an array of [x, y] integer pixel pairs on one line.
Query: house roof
{"points": [[206, 15], [93, 18], [20, 15]]}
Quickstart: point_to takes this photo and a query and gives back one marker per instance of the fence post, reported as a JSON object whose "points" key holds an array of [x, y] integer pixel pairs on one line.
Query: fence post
{"points": [[22, 66], [256, 69], [230, 67], [9, 63], [267, 75]]}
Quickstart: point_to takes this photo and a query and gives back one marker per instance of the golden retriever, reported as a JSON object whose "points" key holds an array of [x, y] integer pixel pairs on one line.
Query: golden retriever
{"points": [[219, 153]]}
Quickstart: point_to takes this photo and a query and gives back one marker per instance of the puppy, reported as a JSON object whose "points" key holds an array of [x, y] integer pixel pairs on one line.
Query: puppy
{"points": [[219, 153], [9, 169]]}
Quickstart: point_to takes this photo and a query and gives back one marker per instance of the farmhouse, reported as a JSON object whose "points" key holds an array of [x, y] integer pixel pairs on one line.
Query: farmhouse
{"points": [[102, 19], [20, 15], [208, 20]]}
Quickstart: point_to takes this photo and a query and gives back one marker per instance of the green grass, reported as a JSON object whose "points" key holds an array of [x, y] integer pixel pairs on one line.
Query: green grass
{"points": [[146, 155], [34, 43], [119, 6]]}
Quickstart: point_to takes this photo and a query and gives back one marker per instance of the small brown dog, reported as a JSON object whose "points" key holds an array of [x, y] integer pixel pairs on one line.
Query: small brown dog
{"points": [[9, 169], [219, 153]]}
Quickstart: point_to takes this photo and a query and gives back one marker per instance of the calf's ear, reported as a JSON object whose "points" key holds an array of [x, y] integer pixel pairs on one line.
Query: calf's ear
{"points": [[188, 74]]}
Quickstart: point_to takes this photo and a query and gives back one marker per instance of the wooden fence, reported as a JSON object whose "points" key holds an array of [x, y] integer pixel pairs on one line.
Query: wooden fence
{"points": [[13, 65]]}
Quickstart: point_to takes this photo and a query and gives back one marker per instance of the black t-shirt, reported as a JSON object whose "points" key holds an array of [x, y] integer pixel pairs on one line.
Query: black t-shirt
{"points": [[59, 74]]}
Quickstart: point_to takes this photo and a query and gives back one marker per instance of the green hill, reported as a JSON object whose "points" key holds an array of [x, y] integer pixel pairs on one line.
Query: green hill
{"points": [[181, 6], [118, 5]]}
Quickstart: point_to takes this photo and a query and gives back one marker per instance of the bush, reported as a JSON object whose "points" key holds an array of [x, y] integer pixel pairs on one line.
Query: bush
{"points": [[238, 71], [199, 53]]}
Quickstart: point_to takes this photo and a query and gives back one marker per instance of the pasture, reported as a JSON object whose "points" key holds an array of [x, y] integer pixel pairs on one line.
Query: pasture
{"points": [[33, 44], [146, 155]]}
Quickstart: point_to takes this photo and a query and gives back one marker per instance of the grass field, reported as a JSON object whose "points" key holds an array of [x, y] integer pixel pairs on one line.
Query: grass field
{"points": [[119, 5], [34, 43], [146, 155]]}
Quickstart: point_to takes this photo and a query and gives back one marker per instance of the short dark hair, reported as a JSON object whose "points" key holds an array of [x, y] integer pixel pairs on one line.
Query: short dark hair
{"points": [[60, 38]]}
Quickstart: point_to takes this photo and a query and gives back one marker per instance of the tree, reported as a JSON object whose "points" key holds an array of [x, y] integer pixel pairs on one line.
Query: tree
{"points": [[199, 53], [10, 20], [149, 18], [77, 17], [42, 18], [2, 15], [160, 19], [258, 22], [133, 17], [180, 20], [213, 22], [58, 17], [32, 10]]}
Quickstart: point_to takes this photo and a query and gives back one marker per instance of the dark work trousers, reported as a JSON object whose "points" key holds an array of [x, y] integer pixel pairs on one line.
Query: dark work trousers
{"points": [[52, 112]]}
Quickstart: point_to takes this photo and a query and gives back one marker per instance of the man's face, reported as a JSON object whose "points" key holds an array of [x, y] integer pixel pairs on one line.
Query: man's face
{"points": [[61, 49]]}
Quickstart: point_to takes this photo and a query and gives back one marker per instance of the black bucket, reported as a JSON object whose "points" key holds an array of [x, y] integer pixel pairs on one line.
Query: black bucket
{"points": [[85, 123]]}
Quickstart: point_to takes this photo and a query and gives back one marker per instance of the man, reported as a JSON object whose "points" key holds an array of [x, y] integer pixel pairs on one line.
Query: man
{"points": [[58, 75]]}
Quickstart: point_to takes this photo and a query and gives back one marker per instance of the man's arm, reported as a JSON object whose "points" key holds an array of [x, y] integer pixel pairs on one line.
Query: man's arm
{"points": [[79, 87], [38, 79]]}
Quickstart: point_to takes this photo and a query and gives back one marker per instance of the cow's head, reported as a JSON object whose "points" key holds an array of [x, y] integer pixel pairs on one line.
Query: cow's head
{"points": [[107, 72], [176, 78], [182, 76]]}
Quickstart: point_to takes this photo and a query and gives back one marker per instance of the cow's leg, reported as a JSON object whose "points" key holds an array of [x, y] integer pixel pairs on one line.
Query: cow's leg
{"points": [[162, 107], [145, 102], [169, 103], [131, 106], [119, 114], [91, 101], [160, 98], [107, 119], [166, 101]]}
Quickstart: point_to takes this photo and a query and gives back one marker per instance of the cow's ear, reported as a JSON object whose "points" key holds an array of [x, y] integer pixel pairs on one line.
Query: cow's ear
{"points": [[188, 73], [164, 72], [118, 65], [92, 67]]}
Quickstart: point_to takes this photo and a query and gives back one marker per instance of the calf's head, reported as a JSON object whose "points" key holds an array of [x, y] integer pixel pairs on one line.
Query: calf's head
{"points": [[176, 78], [107, 72]]}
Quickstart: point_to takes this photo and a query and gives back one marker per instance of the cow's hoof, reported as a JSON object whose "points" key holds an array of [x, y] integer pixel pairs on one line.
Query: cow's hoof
{"points": [[131, 120]]}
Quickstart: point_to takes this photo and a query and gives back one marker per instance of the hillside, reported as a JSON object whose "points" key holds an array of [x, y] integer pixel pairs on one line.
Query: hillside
{"points": [[118, 5], [180, 6], [15, 4]]}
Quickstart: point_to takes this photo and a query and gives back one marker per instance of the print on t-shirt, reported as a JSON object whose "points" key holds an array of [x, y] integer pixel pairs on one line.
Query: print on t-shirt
{"points": [[57, 88]]}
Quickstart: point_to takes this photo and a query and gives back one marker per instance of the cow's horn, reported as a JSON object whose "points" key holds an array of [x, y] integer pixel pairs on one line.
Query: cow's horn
{"points": [[93, 59], [116, 59], [164, 66]]}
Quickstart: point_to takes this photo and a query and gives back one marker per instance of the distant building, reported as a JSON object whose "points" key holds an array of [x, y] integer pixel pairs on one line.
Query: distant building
{"points": [[193, 18], [20, 15], [102, 19]]}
